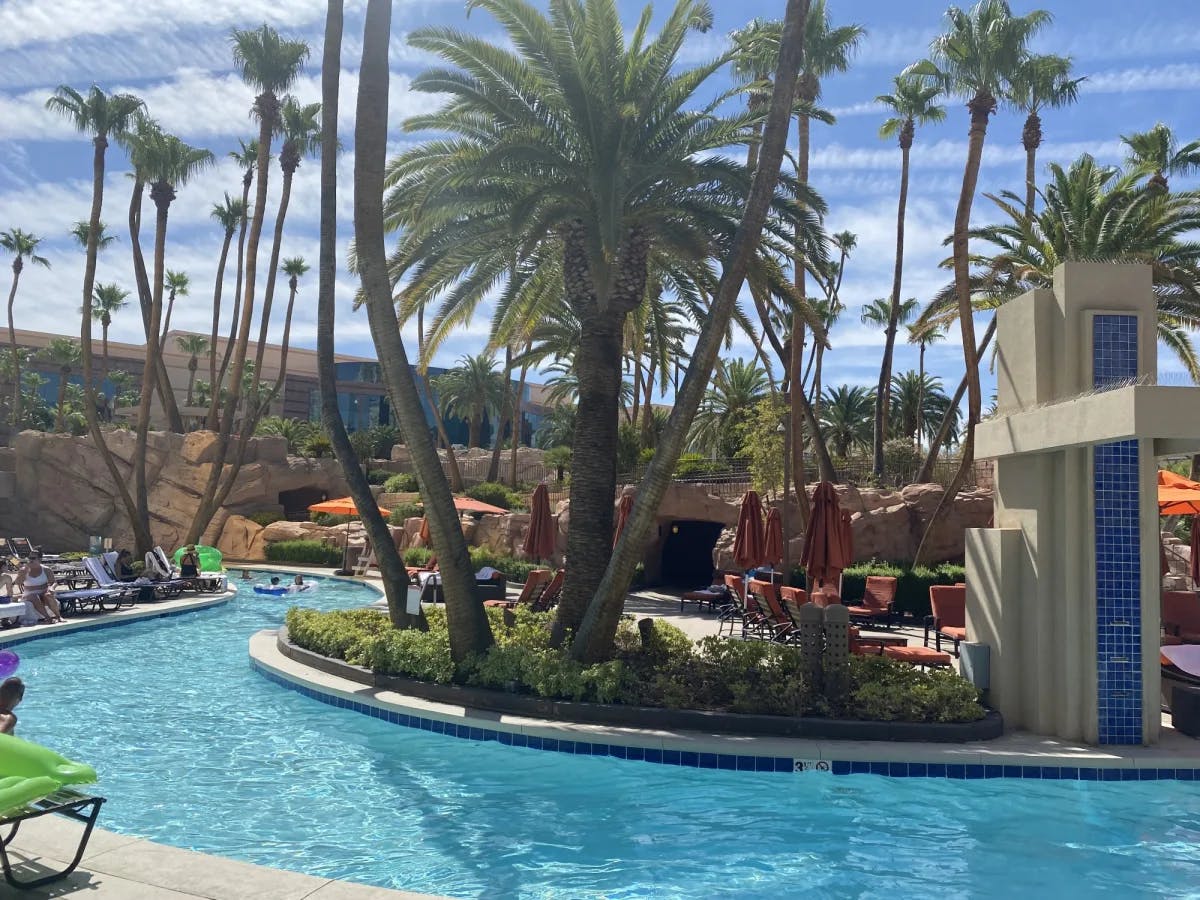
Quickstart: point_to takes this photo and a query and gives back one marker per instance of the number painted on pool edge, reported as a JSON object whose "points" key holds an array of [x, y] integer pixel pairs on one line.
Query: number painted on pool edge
{"points": [[812, 765]]}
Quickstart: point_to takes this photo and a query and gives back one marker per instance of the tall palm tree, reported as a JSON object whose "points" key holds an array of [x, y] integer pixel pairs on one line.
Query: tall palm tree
{"points": [[736, 387], [64, 353], [918, 403], [471, 390], [167, 163], [976, 58], [294, 268], [912, 102], [1156, 154], [557, 428], [81, 229], [193, 345], [846, 416], [457, 198], [300, 129], [1042, 81], [23, 246], [230, 214], [176, 284], [270, 65], [923, 334], [107, 300]]}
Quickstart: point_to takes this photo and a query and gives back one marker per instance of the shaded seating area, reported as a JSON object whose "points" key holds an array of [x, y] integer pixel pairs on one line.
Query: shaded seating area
{"points": [[536, 583], [948, 618]]}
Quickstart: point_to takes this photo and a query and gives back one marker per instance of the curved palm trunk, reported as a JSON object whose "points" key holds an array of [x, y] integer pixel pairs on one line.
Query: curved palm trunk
{"points": [[925, 475], [216, 325], [15, 409], [981, 106], [920, 427], [518, 422], [800, 413], [599, 369], [391, 566], [166, 323], [235, 319], [285, 345], [498, 438], [456, 481], [595, 636], [469, 630], [141, 533], [1031, 138], [269, 294], [884, 390]]}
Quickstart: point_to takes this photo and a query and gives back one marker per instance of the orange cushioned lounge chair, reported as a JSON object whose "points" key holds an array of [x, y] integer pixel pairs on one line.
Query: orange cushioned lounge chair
{"points": [[534, 582], [1181, 616], [877, 601], [949, 620], [778, 625]]}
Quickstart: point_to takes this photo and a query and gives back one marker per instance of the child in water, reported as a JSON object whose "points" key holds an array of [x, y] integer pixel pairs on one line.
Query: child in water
{"points": [[11, 693]]}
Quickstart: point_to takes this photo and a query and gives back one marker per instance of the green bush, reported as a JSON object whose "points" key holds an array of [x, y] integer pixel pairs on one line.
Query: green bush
{"points": [[497, 495], [516, 570], [329, 520], [690, 465], [912, 585], [417, 556], [311, 552], [378, 476], [661, 669], [73, 555], [405, 511], [266, 517], [400, 483]]}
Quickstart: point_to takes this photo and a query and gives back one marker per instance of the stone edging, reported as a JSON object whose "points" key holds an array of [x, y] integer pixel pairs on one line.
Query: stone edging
{"points": [[619, 716]]}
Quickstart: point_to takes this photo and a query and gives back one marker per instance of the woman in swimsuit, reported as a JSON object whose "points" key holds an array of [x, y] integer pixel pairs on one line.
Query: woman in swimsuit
{"points": [[189, 563], [35, 582]]}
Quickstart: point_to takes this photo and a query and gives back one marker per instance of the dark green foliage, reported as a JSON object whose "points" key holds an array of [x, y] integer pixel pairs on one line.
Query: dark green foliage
{"points": [[378, 476], [417, 556], [265, 517], [912, 585], [400, 483], [406, 511], [311, 552], [497, 495]]}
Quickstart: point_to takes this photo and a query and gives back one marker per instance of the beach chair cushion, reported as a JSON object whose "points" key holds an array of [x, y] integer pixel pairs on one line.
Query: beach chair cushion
{"points": [[918, 656]]}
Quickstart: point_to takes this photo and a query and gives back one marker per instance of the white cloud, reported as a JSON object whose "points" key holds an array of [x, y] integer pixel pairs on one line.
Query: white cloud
{"points": [[863, 108], [1175, 77], [952, 154]]}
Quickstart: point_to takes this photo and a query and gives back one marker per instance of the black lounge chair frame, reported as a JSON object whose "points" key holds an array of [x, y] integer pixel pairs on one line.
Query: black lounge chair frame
{"points": [[81, 807]]}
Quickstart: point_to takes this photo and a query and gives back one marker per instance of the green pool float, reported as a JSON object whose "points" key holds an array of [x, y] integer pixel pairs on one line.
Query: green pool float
{"points": [[210, 558], [29, 771]]}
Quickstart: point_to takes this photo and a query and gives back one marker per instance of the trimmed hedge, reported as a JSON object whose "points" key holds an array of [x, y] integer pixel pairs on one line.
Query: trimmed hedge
{"points": [[312, 553], [516, 570], [400, 483], [497, 495], [666, 670], [912, 585]]}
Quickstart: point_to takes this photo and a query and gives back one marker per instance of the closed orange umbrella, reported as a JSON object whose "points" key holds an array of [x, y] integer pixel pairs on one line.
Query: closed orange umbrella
{"points": [[826, 551], [773, 543], [423, 534], [540, 539], [624, 508], [748, 543]]}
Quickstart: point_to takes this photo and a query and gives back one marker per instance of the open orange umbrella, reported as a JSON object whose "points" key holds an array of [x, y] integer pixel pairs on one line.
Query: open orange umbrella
{"points": [[624, 508], [343, 506], [773, 542], [749, 542], [466, 504], [826, 552], [1177, 496], [539, 540]]}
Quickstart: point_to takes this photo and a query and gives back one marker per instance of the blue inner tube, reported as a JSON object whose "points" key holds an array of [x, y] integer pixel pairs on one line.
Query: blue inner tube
{"points": [[267, 589]]}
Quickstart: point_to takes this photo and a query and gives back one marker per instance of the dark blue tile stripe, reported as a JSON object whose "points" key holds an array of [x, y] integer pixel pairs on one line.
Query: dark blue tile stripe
{"points": [[113, 622], [729, 762]]}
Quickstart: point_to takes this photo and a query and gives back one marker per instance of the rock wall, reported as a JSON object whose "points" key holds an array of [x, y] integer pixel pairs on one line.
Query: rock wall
{"points": [[64, 493]]}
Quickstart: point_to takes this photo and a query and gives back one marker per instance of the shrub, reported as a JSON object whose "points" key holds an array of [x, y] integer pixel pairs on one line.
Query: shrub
{"points": [[417, 556], [912, 585], [690, 465], [311, 552], [514, 569], [74, 555], [901, 459], [496, 494], [328, 520], [406, 511], [265, 517], [400, 483], [318, 445], [378, 476], [888, 691]]}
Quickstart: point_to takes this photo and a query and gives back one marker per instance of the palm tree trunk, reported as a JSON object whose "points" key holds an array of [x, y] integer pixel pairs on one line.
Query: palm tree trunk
{"points": [[497, 440], [269, 295], [518, 421], [883, 391], [12, 342], [981, 107], [60, 418], [647, 406], [1031, 137], [925, 475], [470, 632], [595, 636], [104, 351], [213, 423], [285, 345], [636, 406], [920, 427], [192, 366], [391, 566], [166, 327], [141, 534], [210, 424], [797, 403]]}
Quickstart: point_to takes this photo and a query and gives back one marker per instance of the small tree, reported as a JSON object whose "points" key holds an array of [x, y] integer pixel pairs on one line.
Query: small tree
{"points": [[762, 443]]}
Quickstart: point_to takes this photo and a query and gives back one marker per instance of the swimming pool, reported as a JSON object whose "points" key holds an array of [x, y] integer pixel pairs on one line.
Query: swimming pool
{"points": [[196, 750]]}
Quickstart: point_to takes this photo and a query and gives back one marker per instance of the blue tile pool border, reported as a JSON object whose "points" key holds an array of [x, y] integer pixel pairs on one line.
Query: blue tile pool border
{"points": [[475, 731], [111, 621]]}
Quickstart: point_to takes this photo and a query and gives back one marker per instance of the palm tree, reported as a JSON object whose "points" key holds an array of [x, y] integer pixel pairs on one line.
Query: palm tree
{"points": [[846, 416], [269, 64], [736, 387], [1156, 153], [23, 246], [167, 163], [912, 102], [976, 58], [230, 215], [923, 334], [80, 231], [557, 428], [193, 345], [456, 199], [918, 402], [64, 353], [1042, 81], [294, 268], [471, 390], [107, 300], [176, 284], [300, 128]]}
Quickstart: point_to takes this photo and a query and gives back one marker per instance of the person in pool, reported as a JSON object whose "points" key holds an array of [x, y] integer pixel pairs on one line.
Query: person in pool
{"points": [[274, 581], [12, 691]]}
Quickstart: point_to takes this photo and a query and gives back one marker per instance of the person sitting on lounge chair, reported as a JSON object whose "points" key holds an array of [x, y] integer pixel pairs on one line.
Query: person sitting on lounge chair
{"points": [[11, 693], [189, 563], [35, 582], [125, 566]]}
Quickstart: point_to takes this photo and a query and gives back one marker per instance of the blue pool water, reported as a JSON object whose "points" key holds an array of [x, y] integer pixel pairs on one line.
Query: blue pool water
{"points": [[196, 750]]}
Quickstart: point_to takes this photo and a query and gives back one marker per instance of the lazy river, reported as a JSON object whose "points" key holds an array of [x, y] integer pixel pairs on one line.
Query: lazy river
{"points": [[196, 750]]}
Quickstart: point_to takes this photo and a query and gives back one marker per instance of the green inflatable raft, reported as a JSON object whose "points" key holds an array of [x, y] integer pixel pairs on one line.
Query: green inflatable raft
{"points": [[210, 558], [29, 771]]}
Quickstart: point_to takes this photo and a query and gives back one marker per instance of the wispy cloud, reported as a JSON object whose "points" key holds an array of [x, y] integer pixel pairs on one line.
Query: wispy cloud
{"points": [[951, 154], [863, 108], [1173, 77]]}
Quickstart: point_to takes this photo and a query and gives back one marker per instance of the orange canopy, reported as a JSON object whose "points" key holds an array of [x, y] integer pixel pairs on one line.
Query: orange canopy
{"points": [[466, 504], [343, 506], [1177, 496]]}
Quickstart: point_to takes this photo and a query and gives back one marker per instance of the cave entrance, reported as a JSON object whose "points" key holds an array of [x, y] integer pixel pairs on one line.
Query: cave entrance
{"points": [[687, 553], [295, 503]]}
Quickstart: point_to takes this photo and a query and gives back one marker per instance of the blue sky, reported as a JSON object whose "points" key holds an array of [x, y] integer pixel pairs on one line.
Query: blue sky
{"points": [[1142, 62]]}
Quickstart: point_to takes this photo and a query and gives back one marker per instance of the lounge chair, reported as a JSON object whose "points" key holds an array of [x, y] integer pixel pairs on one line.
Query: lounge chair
{"points": [[776, 625], [949, 619], [414, 572], [104, 577], [535, 581], [161, 569], [876, 606], [825, 596], [734, 610], [792, 599], [76, 600], [1181, 616]]}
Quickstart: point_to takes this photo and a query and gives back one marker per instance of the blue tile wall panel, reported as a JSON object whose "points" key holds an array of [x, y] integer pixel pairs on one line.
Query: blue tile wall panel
{"points": [[1118, 546]]}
